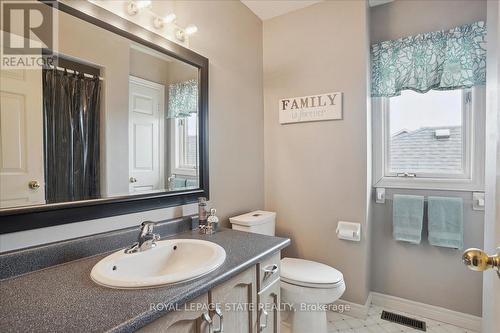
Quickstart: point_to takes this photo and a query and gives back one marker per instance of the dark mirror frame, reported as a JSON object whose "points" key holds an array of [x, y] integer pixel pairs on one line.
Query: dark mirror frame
{"points": [[33, 217]]}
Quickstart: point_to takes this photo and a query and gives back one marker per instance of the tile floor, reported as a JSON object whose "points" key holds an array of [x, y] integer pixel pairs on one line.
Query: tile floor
{"points": [[342, 323]]}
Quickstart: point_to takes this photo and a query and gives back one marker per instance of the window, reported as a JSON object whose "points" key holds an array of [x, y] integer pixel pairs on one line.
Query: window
{"points": [[186, 145], [430, 140], [425, 134]]}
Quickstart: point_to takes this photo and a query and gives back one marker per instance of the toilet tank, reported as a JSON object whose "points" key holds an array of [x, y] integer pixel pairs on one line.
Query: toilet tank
{"points": [[259, 221]]}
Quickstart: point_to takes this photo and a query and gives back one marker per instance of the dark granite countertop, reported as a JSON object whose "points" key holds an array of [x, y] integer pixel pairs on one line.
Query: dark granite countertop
{"points": [[63, 298]]}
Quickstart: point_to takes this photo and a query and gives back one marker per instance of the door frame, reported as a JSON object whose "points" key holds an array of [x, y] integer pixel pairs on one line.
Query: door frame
{"points": [[161, 127], [491, 283]]}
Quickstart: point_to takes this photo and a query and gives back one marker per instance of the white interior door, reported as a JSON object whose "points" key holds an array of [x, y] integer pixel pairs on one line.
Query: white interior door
{"points": [[146, 135], [21, 138], [491, 281]]}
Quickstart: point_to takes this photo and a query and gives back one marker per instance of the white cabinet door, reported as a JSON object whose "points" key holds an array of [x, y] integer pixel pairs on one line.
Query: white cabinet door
{"points": [[190, 319], [21, 137], [146, 135], [237, 301], [269, 302]]}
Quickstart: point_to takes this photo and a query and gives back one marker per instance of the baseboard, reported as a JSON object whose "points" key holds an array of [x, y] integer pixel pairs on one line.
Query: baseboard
{"points": [[433, 312], [356, 310]]}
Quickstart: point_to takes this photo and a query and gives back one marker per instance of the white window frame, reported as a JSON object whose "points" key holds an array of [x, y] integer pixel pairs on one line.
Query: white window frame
{"points": [[178, 135], [473, 124]]}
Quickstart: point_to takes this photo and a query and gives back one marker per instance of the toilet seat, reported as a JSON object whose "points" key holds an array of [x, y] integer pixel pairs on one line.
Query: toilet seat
{"points": [[306, 273], [312, 285]]}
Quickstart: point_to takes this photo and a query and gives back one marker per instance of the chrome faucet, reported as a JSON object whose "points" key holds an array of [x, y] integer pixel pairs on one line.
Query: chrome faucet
{"points": [[147, 239]]}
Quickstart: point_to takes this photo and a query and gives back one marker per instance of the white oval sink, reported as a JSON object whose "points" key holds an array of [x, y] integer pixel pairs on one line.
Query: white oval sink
{"points": [[170, 261]]}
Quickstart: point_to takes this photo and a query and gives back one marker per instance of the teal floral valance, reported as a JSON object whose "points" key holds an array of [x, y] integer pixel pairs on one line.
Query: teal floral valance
{"points": [[182, 99], [441, 60]]}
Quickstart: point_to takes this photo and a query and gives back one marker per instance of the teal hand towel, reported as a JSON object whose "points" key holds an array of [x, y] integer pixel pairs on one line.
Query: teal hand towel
{"points": [[179, 182], [446, 225], [191, 182], [407, 216]]}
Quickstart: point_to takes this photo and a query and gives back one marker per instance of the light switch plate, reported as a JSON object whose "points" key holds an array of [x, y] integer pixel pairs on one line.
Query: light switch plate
{"points": [[478, 201]]}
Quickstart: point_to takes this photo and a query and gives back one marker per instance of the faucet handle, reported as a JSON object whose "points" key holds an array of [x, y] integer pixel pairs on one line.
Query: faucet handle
{"points": [[146, 240], [147, 227]]}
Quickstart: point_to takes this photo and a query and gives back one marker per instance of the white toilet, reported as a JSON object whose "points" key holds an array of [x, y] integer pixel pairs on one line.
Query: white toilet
{"points": [[307, 286]]}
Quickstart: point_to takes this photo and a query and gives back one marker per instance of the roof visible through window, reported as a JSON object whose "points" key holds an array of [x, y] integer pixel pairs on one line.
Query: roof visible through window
{"points": [[417, 124]]}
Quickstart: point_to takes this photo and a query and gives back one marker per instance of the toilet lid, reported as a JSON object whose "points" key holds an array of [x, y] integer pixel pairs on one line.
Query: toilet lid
{"points": [[309, 273]]}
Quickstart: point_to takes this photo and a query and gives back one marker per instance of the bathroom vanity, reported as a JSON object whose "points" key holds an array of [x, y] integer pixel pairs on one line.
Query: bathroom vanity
{"points": [[248, 302], [59, 296]]}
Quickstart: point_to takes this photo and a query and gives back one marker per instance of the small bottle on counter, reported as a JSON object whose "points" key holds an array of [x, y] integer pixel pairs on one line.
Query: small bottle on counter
{"points": [[202, 211], [213, 220]]}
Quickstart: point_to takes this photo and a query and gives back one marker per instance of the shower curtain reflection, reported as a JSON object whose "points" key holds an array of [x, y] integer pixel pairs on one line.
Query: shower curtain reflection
{"points": [[71, 137]]}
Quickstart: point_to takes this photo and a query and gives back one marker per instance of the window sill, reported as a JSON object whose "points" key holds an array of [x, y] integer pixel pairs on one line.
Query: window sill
{"points": [[466, 185]]}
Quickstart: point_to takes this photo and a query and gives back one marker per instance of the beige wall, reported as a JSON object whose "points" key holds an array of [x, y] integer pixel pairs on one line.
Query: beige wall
{"points": [[149, 67], [316, 173], [230, 36], [425, 273], [181, 72]]}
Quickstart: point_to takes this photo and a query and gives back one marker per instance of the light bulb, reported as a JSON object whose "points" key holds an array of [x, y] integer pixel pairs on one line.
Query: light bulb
{"points": [[158, 22], [170, 18], [143, 3], [191, 29], [132, 8], [180, 35]]}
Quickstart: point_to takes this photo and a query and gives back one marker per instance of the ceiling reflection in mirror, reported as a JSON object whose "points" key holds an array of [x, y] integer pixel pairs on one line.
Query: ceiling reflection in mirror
{"points": [[111, 118]]}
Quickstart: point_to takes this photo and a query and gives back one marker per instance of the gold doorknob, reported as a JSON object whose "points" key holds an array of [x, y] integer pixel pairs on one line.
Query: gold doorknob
{"points": [[34, 185], [133, 180], [478, 260]]}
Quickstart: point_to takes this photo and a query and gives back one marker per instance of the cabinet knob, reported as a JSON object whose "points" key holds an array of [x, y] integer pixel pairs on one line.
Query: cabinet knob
{"points": [[133, 180]]}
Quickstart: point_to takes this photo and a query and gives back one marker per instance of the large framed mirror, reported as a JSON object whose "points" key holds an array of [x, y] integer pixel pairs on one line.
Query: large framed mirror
{"points": [[113, 124]]}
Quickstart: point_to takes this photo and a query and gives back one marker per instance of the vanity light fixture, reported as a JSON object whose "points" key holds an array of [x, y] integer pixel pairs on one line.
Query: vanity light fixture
{"points": [[134, 7], [189, 30], [159, 22]]}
